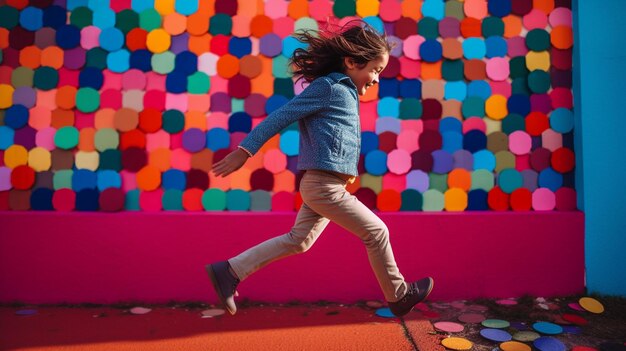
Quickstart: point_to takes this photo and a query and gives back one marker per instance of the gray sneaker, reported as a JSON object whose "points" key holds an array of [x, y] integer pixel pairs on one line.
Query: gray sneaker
{"points": [[418, 292], [225, 284]]}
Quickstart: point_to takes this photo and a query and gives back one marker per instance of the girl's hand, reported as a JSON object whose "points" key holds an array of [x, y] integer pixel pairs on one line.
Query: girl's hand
{"points": [[232, 162]]}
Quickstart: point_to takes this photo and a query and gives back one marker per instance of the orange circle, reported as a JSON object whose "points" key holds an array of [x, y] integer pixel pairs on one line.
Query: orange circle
{"points": [[471, 27], [512, 26], [132, 138], [455, 200], [160, 159], [429, 71], [52, 56], [389, 200], [198, 23], [412, 9], [86, 139], [562, 37], [66, 97], [30, 57], [250, 66], [150, 120], [136, 39], [148, 178], [460, 178], [544, 5], [199, 44], [126, 119], [192, 200], [298, 8], [174, 23], [4, 38], [227, 66], [261, 25]]}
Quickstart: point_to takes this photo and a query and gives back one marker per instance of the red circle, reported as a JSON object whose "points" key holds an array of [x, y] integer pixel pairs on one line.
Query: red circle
{"points": [[389, 200], [562, 98], [150, 120], [497, 199], [537, 123], [4, 201], [566, 199], [219, 44], [112, 200], [575, 319], [521, 200], [22, 177], [192, 199], [563, 160], [239, 86], [64, 200]]}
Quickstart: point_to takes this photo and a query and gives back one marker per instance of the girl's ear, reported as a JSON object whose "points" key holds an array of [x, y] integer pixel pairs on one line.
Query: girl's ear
{"points": [[349, 63]]}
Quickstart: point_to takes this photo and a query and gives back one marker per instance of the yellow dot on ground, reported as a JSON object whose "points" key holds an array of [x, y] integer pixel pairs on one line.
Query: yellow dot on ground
{"points": [[514, 346], [495, 107], [158, 41], [457, 343], [590, 304]]}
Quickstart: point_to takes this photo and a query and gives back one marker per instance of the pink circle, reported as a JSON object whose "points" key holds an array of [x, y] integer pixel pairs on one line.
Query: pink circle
{"points": [[39, 117], [560, 16], [475, 8], [503, 88], [275, 161], [498, 68], [133, 79], [90, 37], [151, 200], [283, 201], [449, 327], [535, 19], [551, 140], [474, 123], [394, 182], [283, 27], [576, 306], [45, 138], [408, 140], [276, 9], [399, 161], [507, 302], [207, 63], [390, 10], [409, 68], [411, 46], [320, 9], [520, 142], [517, 46], [5, 178], [544, 200]]}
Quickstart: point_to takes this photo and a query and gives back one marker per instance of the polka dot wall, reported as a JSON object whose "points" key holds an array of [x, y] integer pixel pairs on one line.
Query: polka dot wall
{"points": [[125, 104]]}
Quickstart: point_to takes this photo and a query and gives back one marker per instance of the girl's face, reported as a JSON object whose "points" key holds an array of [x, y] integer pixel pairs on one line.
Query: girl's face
{"points": [[364, 76]]}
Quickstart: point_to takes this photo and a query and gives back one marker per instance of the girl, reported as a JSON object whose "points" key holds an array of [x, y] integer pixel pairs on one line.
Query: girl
{"points": [[339, 67]]}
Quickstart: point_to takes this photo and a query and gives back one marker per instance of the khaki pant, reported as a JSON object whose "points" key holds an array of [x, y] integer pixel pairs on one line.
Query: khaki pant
{"points": [[326, 199]]}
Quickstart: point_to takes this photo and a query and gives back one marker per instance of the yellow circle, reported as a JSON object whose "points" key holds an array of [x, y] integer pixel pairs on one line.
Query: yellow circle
{"points": [[455, 200], [590, 304], [158, 41], [457, 343], [39, 159], [164, 7], [514, 346], [538, 60], [6, 95], [15, 155], [88, 160], [366, 8], [495, 107]]}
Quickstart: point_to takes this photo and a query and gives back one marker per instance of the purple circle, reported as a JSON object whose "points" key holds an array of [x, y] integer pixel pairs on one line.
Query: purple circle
{"points": [[254, 105], [463, 159], [517, 46], [74, 58], [442, 162], [26, 137], [547, 343], [180, 43], [194, 140], [450, 27], [45, 37], [397, 49], [25, 96], [496, 335], [417, 180], [221, 102], [270, 45], [530, 179], [541, 103], [5, 178]]}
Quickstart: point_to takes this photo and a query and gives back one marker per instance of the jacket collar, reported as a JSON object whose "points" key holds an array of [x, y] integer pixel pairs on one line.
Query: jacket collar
{"points": [[340, 77]]}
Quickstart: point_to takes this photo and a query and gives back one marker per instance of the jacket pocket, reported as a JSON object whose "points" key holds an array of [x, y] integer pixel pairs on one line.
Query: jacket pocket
{"points": [[337, 143]]}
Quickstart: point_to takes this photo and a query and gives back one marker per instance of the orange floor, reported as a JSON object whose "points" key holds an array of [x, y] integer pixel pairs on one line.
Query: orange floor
{"points": [[332, 327]]}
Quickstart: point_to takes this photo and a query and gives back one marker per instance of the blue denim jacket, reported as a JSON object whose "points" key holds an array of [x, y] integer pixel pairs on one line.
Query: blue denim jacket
{"points": [[327, 112]]}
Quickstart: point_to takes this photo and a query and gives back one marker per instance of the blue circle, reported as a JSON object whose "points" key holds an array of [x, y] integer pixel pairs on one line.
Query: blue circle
{"points": [[176, 82], [186, 63], [174, 179], [194, 140], [510, 180], [547, 343], [290, 44], [452, 141], [108, 179], [41, 199], [376, 23], [411, 88], [111, 39], [548, 328], [84, 179], [6, 137], [496, 47], [388, 107], [91, 77], [388, 87], [484, 159], [31, 18], [431, 50], [73, 4], [54, 17], [186, 7], [217, 138], [434, 9], [68, 36], [474, 48], [16, 117], [289, 143], [104, 17], [443, 162], [562, 120], [518, 104], [455, 91], [240, 122], [385, 312], [479, 88], [551, 179], [270, 45], [474, 140], [87, 200], [237, 200], [140, 5], [141, 60], [274, 103], [499, 8], [118, 61], [369, 142], [495, 335], [450, 124], [477, 200], [376, 162]]}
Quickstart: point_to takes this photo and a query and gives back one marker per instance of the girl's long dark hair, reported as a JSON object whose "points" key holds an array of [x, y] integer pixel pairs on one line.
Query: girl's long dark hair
{"points": [[327, 49]]}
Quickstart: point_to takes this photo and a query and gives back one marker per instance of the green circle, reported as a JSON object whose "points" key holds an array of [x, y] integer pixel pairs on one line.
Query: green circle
{"points": [[22, 77], [428, 27], [344, 8], [172, 200], [126, 20], [198, 83], [438, 182], [163, 62], [473, 106], [517, 67], [149, 19], [62, 179], [495, 323], [81, 17], [306, 23], [220, 23], [539, 81], [237, 105], [237, 200], [492, 26], [111, 159], [132, 200], [482, 179], [280, 67], [510, 180], [284, 87], [173, 121], [504, 160], [452, 70], [538, 40], [45, 78], [520, 86], [410, 108], [412, 200], [455, 9], [9, 17], [434, 201], [97, 58], [87, 100], [513, 123], [260, 200], [106, 138], [66, 138], [214, 200]]}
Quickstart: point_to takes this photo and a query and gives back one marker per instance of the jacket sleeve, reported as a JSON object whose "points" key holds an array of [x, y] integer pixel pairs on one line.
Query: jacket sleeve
{"points": [[315, 97]]}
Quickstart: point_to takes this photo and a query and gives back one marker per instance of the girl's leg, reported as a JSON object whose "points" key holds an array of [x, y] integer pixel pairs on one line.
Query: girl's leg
{"points": [[326, 194], [307, 228]]}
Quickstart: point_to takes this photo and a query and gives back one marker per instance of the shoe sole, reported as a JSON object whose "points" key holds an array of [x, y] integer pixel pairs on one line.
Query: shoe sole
{"points": [[209, 269], [432, 285]]}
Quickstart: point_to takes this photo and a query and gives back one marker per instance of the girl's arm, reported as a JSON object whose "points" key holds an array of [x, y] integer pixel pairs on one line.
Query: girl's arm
{"points": [[315, 97]]}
